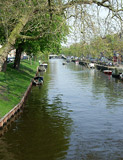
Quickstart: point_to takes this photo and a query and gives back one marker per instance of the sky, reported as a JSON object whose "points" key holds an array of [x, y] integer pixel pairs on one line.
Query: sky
{"points": [[76, 38]]}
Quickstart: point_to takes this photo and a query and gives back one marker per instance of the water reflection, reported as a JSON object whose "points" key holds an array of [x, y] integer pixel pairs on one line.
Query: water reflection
{"points": [[111, 89], [43, 130], [4, 152], [75, 115]]}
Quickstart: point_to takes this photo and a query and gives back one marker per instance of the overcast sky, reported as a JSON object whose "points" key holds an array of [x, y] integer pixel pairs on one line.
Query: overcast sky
{"points": [[112, 27]]}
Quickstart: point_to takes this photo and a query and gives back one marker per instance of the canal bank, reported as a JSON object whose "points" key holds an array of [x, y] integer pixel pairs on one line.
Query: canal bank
{"points": [[102, 67], [116, 70], [7, 118], [75, 114], [13, 84]]}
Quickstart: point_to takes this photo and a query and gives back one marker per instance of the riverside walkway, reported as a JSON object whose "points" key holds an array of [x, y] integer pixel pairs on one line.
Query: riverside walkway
{"points": [[119, 68], [102, 67]]}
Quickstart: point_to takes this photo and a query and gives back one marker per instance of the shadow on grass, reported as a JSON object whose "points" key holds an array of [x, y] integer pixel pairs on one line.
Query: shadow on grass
{"points": [[25, 72], [13, 83]]}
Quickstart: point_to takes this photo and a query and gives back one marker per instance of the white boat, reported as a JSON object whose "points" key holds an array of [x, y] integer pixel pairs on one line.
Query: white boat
{"points": [[121, 76], [44, 64], [41, 68], [91, 65]]}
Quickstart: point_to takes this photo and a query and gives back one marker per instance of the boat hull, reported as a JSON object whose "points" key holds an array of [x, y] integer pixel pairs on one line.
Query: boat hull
{"points": [[37, 81], [108, 72]]}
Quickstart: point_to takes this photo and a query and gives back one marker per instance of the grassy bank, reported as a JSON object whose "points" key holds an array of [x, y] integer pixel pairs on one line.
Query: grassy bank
{"points": [[13, 85]]}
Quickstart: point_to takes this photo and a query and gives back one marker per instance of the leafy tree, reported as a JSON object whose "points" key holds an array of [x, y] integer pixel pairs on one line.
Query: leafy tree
{"points": [[18, 17], [107, 46], [50, 41]]}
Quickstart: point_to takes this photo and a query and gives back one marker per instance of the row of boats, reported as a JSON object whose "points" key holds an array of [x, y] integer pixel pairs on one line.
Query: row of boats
{"points": [[39, 80], [113, 72]]}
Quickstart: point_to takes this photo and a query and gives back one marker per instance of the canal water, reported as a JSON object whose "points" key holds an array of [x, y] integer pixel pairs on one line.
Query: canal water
{"points": [[76, 115]]}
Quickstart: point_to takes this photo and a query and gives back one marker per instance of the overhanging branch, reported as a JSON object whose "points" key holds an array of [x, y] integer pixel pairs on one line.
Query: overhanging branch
{"points": [[99, 3], [24, 37]]}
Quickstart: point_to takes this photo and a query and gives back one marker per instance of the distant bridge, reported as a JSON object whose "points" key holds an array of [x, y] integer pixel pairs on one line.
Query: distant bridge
{"points": [[53, 56]]}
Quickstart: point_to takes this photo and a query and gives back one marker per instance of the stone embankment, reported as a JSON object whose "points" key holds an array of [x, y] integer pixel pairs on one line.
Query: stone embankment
{"points": [[101, 67], [5, 120]]}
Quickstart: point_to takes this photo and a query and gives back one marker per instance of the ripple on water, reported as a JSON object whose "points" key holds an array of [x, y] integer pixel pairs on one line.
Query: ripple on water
{"points": [[76, 115]]}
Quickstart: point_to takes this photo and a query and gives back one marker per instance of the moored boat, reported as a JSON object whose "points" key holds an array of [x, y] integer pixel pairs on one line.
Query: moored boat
{"points": [[41, 68], [109, 72], [115, 75], [91, 65], [38, 80], [44, 64], [121, 76]]}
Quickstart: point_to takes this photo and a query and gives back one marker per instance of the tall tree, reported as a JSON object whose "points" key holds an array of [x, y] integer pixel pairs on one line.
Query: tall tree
{"points": [[19, 50], [17, 16], [50, 41]]}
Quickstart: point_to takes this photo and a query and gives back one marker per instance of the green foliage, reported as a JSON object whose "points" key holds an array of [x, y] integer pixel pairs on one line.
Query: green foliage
{"points": [[107, 45], [55, 33], [45, 32], [2, 35]]}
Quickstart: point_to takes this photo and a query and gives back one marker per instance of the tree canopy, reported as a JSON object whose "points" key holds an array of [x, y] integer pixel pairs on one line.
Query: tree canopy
{"points": [[105, 46], [18, 19]]}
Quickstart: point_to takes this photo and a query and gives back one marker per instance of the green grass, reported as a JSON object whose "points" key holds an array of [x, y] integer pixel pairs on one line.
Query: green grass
{"points": [[14, 83]]}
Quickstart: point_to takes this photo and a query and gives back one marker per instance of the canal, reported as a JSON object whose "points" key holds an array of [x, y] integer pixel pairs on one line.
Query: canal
{"points": [[76, 115]]}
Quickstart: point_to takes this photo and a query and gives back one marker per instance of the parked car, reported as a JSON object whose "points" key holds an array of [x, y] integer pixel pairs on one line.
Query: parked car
{"points": [[10, 59], [25, 57]]}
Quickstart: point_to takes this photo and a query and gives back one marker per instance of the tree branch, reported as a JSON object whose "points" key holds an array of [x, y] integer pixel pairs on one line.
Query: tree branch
{"points": [[24, 37], [102, 3]]}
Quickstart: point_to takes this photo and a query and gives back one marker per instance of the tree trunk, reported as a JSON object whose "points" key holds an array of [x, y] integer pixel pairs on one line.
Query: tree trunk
{"points": [[12, 38], [4, 66], [18, 56], [3, 54], [35, 59]]}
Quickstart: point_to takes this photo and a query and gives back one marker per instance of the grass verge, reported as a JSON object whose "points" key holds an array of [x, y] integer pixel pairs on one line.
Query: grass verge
{"points": [[14, 83]]}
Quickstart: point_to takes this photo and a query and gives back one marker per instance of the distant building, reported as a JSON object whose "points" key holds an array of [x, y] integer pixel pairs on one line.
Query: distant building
{"points": [[12, 53], [53, 56], [24, 55]]}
